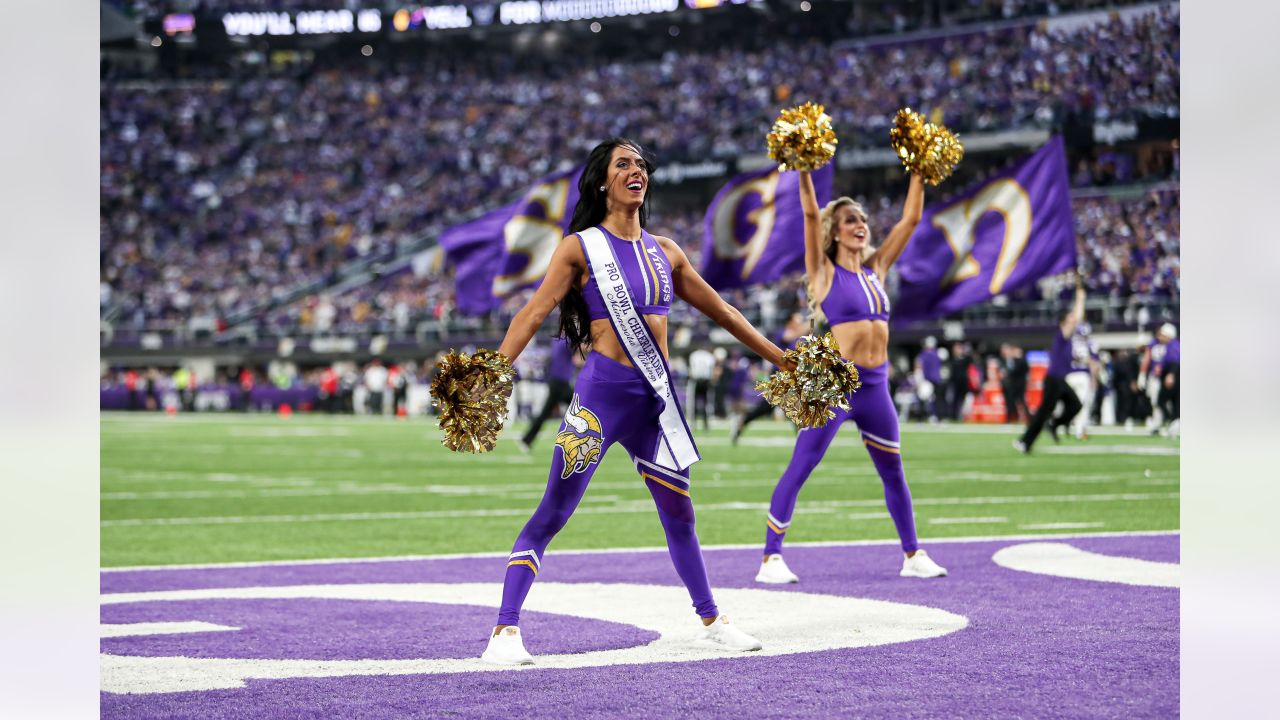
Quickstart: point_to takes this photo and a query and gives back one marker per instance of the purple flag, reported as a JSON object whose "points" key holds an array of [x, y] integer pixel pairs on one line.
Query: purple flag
{"points": [[510, 248], [1003, 234], [754, 229]]}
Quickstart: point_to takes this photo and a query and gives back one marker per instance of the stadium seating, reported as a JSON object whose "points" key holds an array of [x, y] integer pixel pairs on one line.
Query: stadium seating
{"points": [[225, 201]]}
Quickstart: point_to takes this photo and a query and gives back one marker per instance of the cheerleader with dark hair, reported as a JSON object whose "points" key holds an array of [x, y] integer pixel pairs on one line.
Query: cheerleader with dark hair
{"points": [[614, 283]]}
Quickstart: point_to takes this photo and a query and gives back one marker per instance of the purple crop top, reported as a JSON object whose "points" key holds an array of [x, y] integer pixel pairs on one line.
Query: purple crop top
{"points": [[855, 296], [648, 274]]}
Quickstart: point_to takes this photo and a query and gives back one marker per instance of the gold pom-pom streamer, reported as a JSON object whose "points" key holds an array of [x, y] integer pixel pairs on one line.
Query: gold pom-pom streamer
{"points": [[802, 138], [928, 150], [471, 392], [822, 380]]}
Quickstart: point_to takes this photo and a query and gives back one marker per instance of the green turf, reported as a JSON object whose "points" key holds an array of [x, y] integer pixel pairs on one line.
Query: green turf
{"points": [[221, 488]]}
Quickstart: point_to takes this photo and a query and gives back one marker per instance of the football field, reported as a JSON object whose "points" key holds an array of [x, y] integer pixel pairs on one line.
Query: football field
{"points": [[258, 566], [240, 488]]}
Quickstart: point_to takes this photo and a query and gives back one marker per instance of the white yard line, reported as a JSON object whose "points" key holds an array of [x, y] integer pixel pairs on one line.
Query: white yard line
{"points": [[613, 551], [632, 506], [311, 487], [427, 426], [967, 520], [1062, 526], [1113, 450]]}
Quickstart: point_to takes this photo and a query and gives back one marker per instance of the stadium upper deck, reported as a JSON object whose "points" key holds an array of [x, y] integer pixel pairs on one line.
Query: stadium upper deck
{"points": [[221, 199]]}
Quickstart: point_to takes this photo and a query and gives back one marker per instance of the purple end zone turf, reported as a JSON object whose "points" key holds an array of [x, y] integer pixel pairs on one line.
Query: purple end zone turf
{"points": [[1036, 645]]}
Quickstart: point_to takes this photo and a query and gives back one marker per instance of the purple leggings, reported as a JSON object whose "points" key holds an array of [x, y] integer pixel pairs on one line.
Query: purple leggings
{"points": [[611, 403], [872, 410]]}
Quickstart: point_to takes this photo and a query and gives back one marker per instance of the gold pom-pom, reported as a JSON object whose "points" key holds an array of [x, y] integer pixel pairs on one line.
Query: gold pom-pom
{"points": [[802, 138], [928, 150], [822, 380], [471, 392]]}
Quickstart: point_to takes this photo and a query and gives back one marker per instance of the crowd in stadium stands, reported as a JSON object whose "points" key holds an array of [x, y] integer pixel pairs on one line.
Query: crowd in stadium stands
{"points": [[1128, 250], [221, 197]]}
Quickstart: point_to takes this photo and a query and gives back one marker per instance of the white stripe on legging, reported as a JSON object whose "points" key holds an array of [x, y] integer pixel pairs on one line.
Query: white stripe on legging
{"points": [[882, 441]]}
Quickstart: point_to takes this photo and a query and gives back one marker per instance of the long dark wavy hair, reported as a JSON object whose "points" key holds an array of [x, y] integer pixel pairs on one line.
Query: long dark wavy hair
{"points": [[575, 319]]}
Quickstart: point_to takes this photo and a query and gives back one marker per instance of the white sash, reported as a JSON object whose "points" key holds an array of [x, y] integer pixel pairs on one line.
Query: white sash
{"points": [[676, 451]]}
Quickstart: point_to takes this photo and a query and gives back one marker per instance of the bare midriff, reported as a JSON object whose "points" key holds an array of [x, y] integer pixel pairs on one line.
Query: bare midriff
{"points": [[865, 343], [605, 341]]}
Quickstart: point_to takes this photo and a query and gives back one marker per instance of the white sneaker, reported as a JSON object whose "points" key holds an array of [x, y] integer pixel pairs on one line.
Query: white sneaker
{"points": [[506, 648], [723, 635], [921, 565], [774, 571]]}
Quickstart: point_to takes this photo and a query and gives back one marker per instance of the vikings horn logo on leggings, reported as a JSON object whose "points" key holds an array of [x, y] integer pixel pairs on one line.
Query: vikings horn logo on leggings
{"points": [[581, 440]]}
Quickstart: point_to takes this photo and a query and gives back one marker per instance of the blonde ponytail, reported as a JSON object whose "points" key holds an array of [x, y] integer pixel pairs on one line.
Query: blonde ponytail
{"points": [[816, 316], [827, 222]]}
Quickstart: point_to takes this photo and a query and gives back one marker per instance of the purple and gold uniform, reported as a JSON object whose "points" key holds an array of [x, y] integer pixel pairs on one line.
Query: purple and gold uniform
{"points": [[613, 403], [854, 295], [1162, 354], [931, 366], [648, 274], [1084, 351], [1164, 386]]}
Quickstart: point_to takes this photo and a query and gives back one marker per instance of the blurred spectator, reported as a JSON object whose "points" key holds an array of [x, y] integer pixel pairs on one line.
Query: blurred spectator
{"points": [[929, 386], [1014, 383], [375, 384], [959, 384], [220, 198], [702, 365], [1124, 383]]}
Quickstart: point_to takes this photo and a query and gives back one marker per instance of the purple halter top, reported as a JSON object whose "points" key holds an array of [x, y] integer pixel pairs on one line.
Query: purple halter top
{"points": [[855, 295], [648, 274]]}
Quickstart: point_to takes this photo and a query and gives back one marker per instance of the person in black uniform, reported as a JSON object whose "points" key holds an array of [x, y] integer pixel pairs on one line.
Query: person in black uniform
{"points": [[1014, 383]]}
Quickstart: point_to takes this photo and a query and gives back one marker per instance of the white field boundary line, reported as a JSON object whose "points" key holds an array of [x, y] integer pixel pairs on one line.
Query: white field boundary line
{"points": [[616, 551], [633, 506]]}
